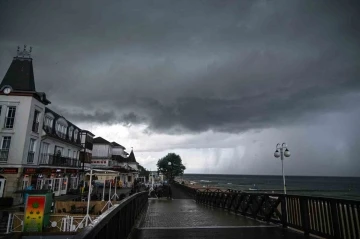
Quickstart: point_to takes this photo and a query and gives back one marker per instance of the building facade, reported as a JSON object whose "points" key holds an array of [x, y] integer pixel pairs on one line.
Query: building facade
{"points": [[112, 156], [38, 147]]}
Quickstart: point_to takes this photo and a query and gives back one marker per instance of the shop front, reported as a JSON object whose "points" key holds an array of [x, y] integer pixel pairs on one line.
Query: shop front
{"points": [[8, 180], [59, 181]]}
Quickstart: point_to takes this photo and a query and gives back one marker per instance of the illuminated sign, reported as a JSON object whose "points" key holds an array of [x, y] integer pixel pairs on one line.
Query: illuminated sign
{"points": [[34, 214], [9, 170]]}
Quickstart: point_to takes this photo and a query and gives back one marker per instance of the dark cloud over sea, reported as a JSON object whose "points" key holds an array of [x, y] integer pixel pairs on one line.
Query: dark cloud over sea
{"points": [[192, 66]]}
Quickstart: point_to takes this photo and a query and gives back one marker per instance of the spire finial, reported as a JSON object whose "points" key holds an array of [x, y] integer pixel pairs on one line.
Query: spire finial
{"points": [[24, 53]]}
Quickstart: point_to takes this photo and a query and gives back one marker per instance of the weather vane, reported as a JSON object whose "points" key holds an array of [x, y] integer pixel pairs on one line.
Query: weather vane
{"points": [[24, 53]]}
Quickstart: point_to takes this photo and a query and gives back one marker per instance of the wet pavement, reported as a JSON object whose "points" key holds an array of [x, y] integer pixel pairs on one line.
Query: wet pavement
{"points": [[216, 233], [184, 218], [187, 213]]}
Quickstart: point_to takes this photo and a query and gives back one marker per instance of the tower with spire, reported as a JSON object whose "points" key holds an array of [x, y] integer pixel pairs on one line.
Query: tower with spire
{"points": [[35, 142]]}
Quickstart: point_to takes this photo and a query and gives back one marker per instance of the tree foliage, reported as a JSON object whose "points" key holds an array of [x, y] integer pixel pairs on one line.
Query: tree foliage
{"points": [[170, 171], [143, 172]]}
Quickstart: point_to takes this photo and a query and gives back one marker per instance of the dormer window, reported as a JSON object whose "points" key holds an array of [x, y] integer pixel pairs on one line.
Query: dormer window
{"points": [[61, 128], [76, 135], [48, 121], [71, 130]]}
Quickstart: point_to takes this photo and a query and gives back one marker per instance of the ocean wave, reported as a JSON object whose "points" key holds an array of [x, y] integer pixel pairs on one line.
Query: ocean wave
{"points": [[205, 181]]}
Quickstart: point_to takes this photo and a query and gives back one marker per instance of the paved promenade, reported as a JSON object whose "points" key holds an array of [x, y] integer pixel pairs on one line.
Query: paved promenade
{"points": [[184, 218]]}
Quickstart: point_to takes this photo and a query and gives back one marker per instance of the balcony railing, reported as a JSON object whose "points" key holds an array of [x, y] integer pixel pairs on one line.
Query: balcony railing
{"points": [[49, 159], [30, 158], [35, 127], [4, 154], [319, 216]]}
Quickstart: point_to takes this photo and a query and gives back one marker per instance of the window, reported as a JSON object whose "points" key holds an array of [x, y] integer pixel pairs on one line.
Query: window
{"points": [[71, 130], [44, 157], [61, 130], [58, 151], [48, 121], [69, 153], [31, 153], [74, 155], [10, 117], [0, 109], [35, 125], [5, 147], [76, 135]]}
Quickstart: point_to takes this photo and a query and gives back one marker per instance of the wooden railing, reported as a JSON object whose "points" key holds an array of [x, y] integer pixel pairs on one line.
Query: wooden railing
{"points": [[118, 222], [324, 217]]}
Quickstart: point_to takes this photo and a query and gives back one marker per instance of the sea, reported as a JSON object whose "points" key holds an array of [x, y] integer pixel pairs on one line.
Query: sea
{"points": [[335, 187]]}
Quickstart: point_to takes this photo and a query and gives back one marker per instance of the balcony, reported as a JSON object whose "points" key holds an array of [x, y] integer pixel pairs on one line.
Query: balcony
{"points": [[4, 154], [54, 160], [30, 158]]}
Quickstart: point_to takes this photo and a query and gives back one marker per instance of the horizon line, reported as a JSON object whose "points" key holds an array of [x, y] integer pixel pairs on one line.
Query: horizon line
{"points": [[275, 175]]}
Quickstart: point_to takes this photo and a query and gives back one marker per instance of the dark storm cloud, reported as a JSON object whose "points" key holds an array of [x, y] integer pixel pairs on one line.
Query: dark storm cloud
{"points": [[99, 116], [189, 65]]}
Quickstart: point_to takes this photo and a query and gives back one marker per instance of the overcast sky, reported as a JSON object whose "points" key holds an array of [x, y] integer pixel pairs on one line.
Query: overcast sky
{"points": [[218, 82]]}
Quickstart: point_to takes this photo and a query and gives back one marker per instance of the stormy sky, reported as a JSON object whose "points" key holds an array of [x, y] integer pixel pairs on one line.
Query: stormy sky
{"points": [[218, 82]]}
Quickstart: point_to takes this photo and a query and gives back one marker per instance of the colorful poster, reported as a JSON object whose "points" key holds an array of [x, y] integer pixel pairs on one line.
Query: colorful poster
{"points": [[34, 213]]}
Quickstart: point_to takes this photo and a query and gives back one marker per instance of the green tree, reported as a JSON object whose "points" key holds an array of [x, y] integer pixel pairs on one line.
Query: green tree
{"points": [[171, 166], [143, 172]]}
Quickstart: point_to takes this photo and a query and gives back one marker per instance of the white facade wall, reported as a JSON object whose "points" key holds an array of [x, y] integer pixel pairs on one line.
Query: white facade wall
{"points": [[118, 151], [22, 130]]}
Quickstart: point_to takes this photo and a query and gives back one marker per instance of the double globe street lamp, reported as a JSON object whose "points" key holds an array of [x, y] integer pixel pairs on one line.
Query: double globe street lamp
{"points": [[281, 151]]}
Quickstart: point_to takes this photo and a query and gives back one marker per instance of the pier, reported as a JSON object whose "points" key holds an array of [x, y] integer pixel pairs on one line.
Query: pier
{"points": [[222, 214]]}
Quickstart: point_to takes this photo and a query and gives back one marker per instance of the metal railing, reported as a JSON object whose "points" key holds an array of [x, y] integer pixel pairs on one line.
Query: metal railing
{"points": [[119, 222], [4, 154], [324, 217], [49, 159]]}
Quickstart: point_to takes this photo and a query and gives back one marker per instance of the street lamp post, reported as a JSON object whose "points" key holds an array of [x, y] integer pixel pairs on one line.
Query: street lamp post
{"points": [[281, 151], [170, 164]]}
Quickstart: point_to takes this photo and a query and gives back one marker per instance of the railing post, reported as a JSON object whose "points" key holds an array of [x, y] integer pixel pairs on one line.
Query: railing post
{"points": [[305, 220], [335, 218], [283, 211]]}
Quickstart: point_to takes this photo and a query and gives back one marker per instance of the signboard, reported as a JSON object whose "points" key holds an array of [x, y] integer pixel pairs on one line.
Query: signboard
{"points": [[34, 213], [31, 170], [9, 170], [42, 170]]}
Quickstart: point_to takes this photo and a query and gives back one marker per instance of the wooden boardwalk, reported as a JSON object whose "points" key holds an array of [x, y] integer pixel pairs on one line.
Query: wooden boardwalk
{"points": [[184, 218]]}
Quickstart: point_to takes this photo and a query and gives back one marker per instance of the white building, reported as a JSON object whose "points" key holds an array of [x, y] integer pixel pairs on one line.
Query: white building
{"points": [[37, 146], [112, 156]]}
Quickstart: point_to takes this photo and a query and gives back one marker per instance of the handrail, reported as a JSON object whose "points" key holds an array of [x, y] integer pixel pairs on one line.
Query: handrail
{"points": [[320, 216], [118, 222]]}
